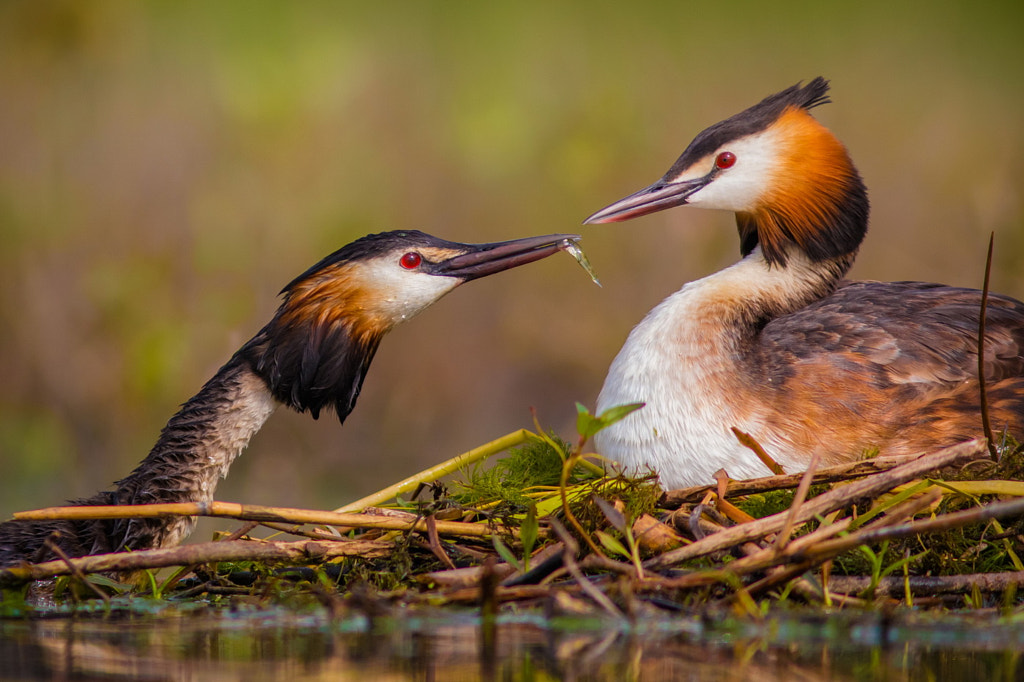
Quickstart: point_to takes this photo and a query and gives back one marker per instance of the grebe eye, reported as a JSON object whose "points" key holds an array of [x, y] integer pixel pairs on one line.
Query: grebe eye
{"points": [[411, 260], [725, 160]]}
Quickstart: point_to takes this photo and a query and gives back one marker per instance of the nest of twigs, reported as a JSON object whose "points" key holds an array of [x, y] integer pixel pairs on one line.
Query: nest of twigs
{"points": [[546, 526]]}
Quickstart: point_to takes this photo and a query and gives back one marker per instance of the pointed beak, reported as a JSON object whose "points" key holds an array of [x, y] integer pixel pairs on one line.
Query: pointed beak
{"points": [[480, 260], [658, 196]]}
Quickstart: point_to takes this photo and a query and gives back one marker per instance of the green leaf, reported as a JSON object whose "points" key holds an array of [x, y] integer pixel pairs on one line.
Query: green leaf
{"points": [[587, 424], [612, 544], [502, 549], [905, 561], [104, 581], [614, 414], [529, 530]]}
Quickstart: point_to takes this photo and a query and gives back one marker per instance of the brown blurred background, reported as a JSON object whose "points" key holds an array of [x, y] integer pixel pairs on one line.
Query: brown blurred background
{"points": [[166, 167]]}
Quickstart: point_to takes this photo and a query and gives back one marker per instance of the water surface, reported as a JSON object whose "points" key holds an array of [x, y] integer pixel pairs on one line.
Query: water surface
{"points": [[273, 644]]}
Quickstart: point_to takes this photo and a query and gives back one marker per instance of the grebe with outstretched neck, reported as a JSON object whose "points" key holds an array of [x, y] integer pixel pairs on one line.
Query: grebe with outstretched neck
{"points": [[313, 355]]}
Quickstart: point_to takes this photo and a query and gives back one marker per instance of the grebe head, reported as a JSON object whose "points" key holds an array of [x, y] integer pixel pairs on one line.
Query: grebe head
{"points": [[789, 180], [315, 352]]}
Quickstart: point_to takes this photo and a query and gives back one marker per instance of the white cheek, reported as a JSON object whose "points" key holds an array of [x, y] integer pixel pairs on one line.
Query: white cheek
{"points": [[402, 293], [741, 187]]}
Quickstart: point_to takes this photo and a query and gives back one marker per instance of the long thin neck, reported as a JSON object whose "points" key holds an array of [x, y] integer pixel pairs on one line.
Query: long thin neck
{"points": [[200, 442], [305, 367], [744, 297], [194, 451]]}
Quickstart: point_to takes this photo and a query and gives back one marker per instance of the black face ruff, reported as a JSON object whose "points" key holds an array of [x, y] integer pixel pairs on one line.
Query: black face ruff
{"points": [[311, 368]]}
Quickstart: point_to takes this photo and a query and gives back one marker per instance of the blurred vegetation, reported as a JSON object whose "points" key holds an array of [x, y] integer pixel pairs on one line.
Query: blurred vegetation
{"points": [[165, 167]]}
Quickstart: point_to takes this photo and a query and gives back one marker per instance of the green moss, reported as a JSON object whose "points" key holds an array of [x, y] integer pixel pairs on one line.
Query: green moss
{"points": [[638, 495], [528, 467], [764, 504]]}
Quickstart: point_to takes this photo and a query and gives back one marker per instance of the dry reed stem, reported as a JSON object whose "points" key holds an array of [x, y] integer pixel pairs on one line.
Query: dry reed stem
{"points": [[796, 548], [841, 472], [871, 534], [801, 555], [207, 552], [835, 499], [817, 554], [798, 500], [884, 529], [252, 513], [443, 469], [929, 585]]}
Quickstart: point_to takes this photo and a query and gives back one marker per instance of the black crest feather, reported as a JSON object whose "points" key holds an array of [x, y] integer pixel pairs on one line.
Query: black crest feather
{"points": [[751, 120]]}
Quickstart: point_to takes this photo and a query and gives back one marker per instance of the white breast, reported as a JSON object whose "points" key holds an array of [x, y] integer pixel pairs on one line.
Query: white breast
{"points": [[683, 361]]}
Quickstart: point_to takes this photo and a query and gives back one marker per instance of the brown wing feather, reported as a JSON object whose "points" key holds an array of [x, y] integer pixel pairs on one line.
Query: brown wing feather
{"points": [[903, 377]]}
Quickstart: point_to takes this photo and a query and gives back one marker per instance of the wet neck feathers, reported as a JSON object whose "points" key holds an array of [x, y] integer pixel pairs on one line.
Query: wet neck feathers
{"points": [[194, 451]]}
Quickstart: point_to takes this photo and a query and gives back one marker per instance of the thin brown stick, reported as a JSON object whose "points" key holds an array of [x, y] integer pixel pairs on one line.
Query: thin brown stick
{"points": [[748, 441], [800, 557], [435, 543], [841, 472], [569, 561], [986, 421], [250, 512], [292, 529], [825, 503], [896, 515], [798, 500], [241, 531], [208, 552], [930, 585], [77, 572]]}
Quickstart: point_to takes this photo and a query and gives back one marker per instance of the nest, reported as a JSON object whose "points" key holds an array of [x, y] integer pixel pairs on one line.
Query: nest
{"points": [[548, 525]]}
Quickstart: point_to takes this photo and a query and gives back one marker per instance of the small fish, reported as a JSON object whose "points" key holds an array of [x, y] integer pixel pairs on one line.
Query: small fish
{"points": [[571, 246]]}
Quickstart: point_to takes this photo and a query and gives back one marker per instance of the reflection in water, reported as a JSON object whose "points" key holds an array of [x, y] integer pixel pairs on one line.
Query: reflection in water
{"points": [[273, 645]]}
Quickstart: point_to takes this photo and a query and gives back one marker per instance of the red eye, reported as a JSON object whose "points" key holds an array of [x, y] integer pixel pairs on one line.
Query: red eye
{"points": [[725, 160], [411, 260]]}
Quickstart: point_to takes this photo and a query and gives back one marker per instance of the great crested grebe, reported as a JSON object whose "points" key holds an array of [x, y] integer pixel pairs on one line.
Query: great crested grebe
{"points": [[312, 355], [778, 345]]}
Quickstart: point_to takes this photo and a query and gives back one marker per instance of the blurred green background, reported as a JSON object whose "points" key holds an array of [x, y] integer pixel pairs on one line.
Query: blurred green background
{"points": [[166, 167]]}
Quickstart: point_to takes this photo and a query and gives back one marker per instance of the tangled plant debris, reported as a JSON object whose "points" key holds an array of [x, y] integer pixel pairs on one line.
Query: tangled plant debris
{"points": [[551, 525]]}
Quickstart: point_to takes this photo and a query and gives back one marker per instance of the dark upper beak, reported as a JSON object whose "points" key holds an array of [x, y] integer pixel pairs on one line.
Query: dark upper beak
{"points": [[481, 260], [658, 196]]}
